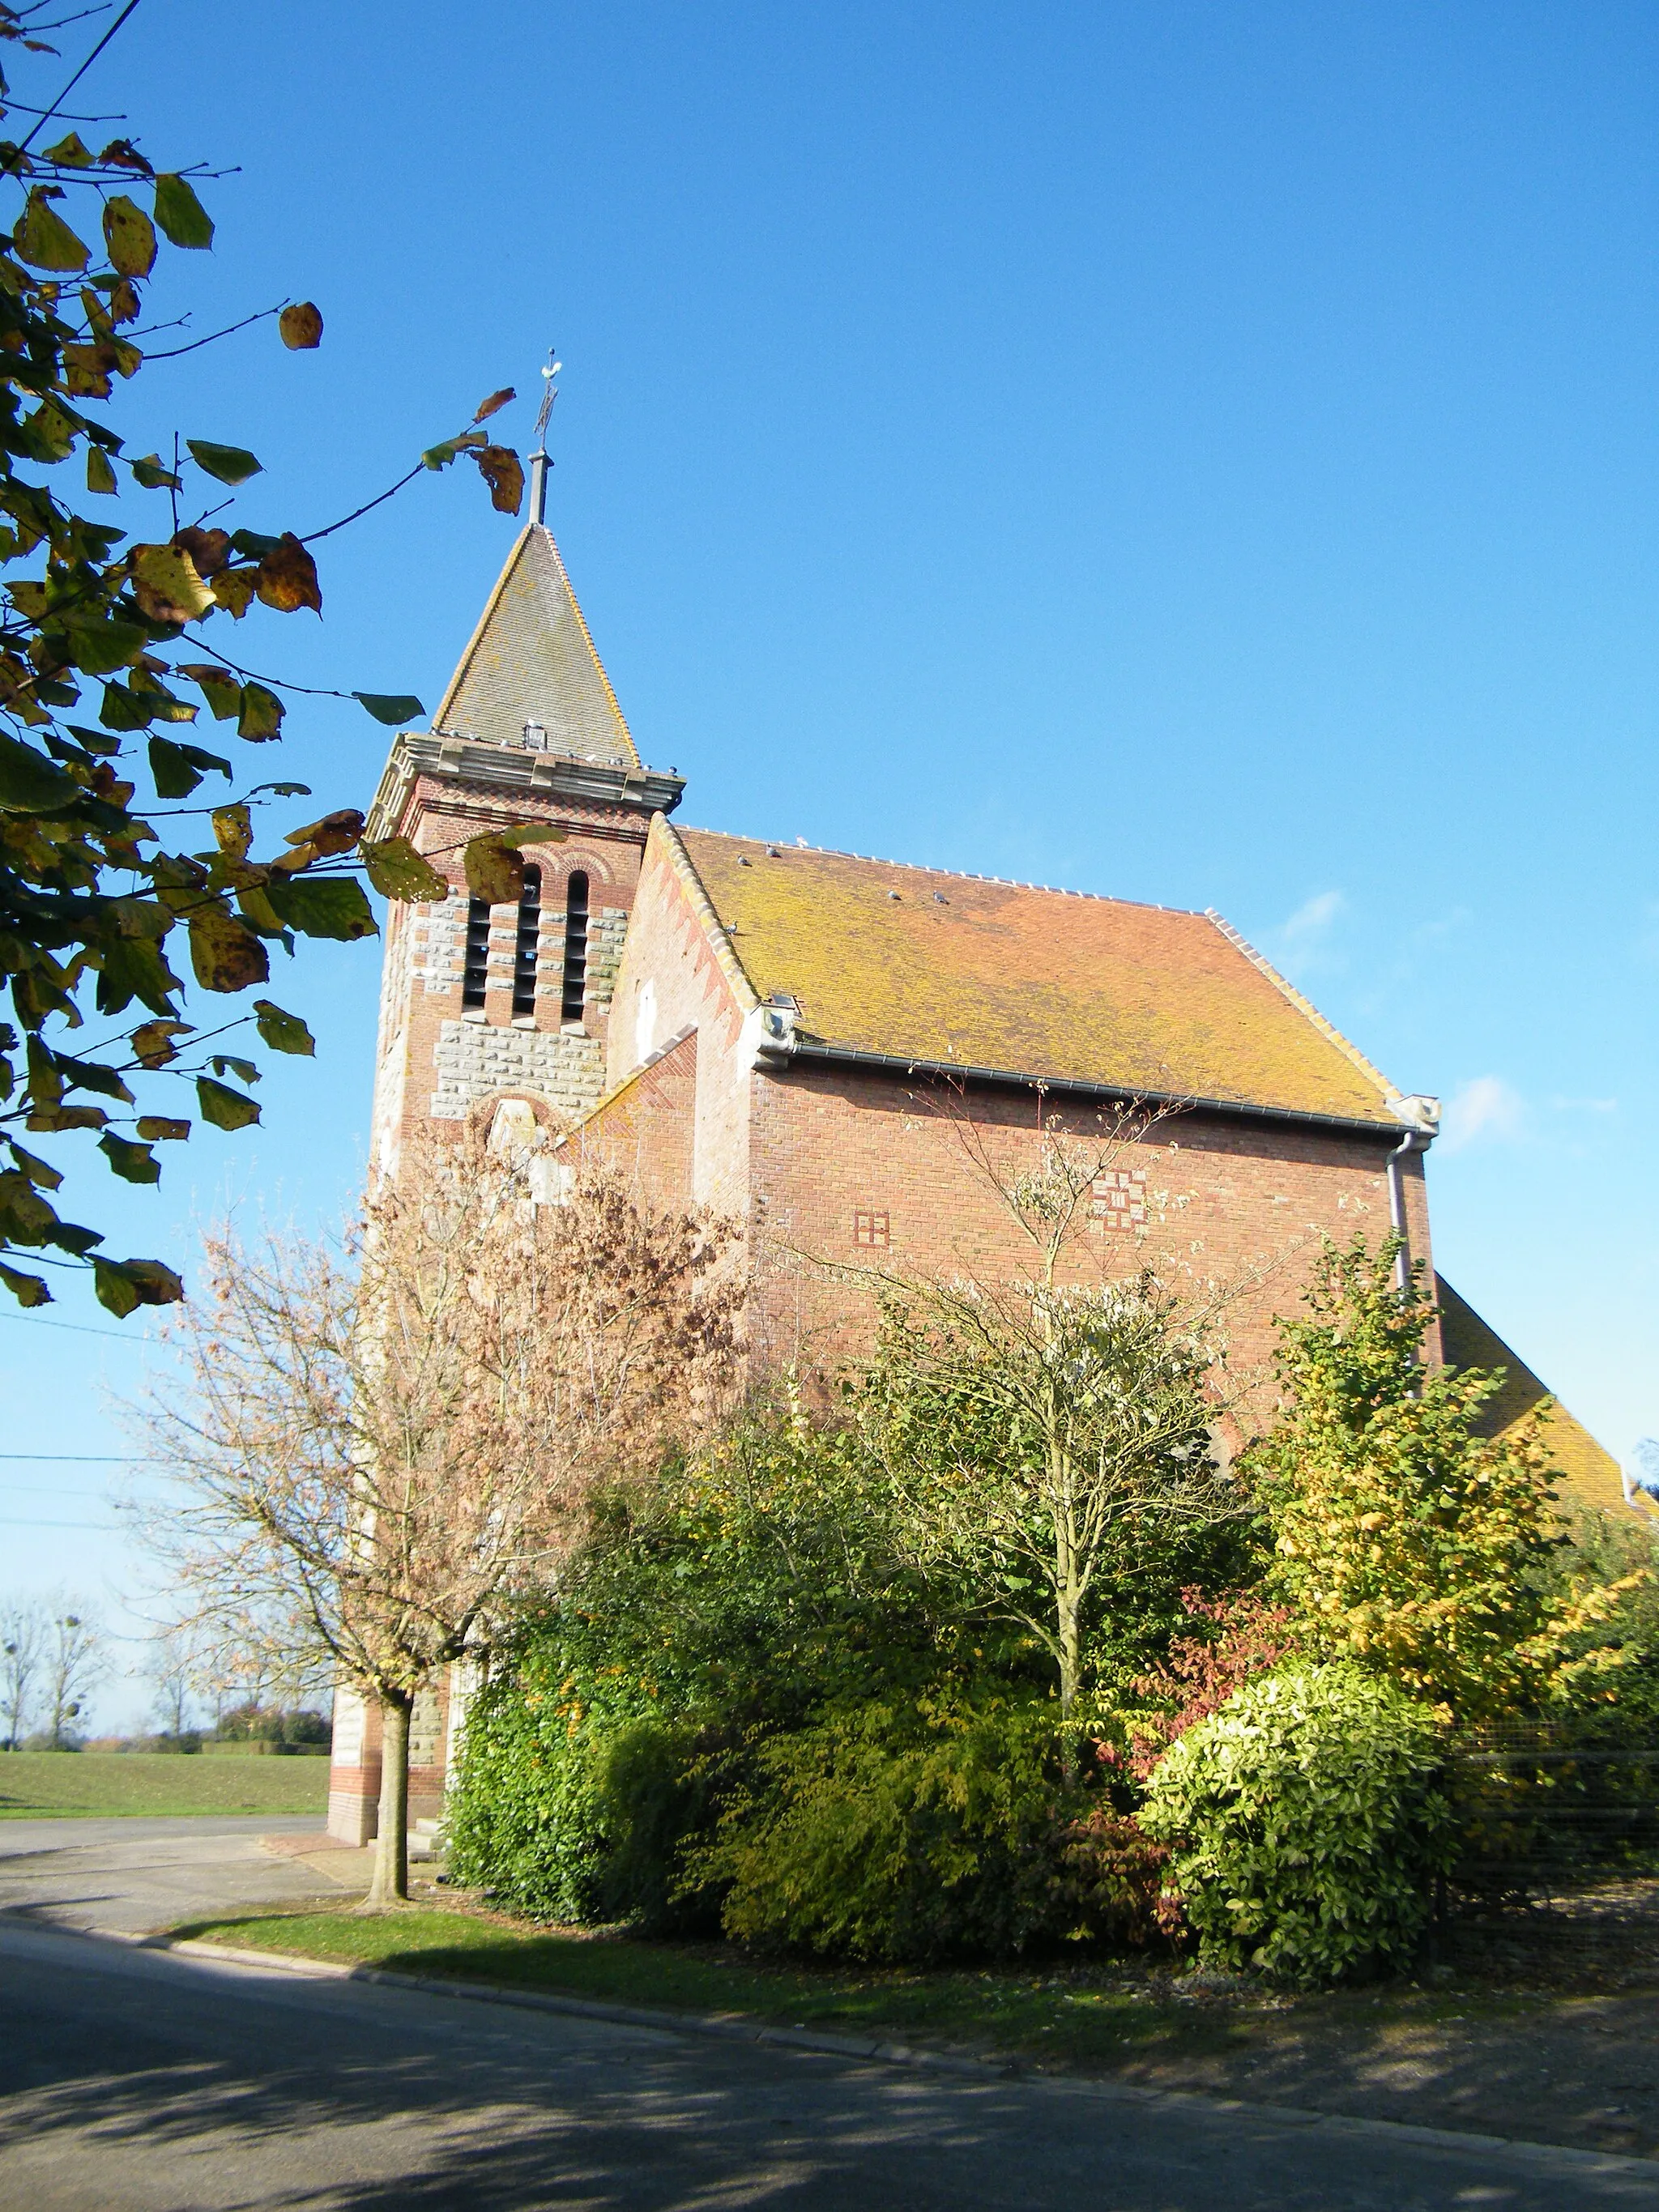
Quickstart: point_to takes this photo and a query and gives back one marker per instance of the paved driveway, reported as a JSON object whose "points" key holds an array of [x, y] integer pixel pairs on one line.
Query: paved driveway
{"points": [[127, 1877]]}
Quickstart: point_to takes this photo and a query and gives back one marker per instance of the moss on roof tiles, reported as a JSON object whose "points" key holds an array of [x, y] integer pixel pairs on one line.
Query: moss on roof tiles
{"points": [[531, 659], [1592, 1474], [1037, 982]]}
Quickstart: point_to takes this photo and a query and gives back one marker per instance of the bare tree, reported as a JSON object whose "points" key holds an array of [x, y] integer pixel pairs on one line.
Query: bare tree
{"points": [[175, 1669], [248, 1677], [21, 1636], [376, 1442], [74, 1664], [1031, 1427]]}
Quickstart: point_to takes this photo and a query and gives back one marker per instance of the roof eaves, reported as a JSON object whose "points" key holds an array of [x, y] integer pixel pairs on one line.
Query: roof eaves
{"points": [[1391, 1093], [385, 809], [776, 1058]]}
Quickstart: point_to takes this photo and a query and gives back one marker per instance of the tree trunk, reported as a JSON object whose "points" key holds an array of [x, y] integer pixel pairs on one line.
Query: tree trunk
{"points": [[1068, 1603], [1071, 1651], [390, 1882]]}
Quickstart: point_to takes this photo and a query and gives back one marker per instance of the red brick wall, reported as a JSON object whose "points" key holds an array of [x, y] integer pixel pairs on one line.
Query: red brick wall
{"points": [[493, 1053], [646, 1130], [841, 1157], [353, 1777], [670, 980]]}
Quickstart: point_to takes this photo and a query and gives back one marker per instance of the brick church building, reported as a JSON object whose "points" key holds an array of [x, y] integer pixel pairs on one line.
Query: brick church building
{"points": [[826, 1049]]}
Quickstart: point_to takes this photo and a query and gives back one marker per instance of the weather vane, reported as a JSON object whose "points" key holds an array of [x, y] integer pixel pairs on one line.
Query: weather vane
{"points": [[538, 461]]}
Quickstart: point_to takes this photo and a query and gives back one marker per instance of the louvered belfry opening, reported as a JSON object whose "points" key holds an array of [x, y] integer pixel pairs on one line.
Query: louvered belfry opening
{"points": [[475, 971], [524, 954], [575, 948]]}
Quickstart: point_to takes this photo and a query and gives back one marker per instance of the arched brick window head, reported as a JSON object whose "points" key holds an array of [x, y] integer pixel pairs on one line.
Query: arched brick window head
{"points": [[575, 948], [475, 972], [524, 954]]}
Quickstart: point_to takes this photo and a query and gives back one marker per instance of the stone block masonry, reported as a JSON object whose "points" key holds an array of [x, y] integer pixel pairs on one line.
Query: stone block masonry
{"points": [[441, 943], [606, 933], [440, 947], [479, 1059]]}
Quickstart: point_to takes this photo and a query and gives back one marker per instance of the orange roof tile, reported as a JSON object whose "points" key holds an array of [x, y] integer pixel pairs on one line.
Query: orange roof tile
{"points": [[1592, 1474], [920, 965]]}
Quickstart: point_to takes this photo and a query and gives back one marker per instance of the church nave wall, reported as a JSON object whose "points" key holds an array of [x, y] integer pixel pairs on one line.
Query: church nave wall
{"points": [[855, 1172]]}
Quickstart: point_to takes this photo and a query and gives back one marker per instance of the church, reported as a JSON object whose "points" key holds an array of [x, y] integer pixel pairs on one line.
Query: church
{"points": [[847, 1057]]}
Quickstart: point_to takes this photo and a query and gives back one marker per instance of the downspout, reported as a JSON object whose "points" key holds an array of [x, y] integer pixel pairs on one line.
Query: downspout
{"points": [[1422, 1117], [1412, 1141]]}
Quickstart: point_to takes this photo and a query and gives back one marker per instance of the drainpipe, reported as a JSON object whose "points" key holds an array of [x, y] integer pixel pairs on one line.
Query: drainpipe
{"points": [[1422, 1118], [1412, 1141]]}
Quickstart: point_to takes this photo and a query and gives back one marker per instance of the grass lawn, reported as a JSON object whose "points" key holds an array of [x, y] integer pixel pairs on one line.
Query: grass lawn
{"points": [[1087, 2017], [38, 1785]]}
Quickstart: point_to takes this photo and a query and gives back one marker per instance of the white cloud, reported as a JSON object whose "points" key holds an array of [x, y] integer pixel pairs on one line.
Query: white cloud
{"points": [[1312, 919], [1487, 1107], [1302, 946]]}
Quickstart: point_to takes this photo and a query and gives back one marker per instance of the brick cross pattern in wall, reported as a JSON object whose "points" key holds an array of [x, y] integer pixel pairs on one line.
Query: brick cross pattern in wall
{"points": [[1119, 1198]]}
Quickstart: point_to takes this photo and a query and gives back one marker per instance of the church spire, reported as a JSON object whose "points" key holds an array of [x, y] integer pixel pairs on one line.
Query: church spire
{"points": [[530, 677]]}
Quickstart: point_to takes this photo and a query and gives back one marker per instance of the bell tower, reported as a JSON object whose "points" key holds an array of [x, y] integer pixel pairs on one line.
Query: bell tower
{"points": [[479, 1002]]}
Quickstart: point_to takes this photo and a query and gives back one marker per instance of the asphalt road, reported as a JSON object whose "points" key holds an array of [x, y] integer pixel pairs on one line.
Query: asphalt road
{"points": [[136, 2078]]}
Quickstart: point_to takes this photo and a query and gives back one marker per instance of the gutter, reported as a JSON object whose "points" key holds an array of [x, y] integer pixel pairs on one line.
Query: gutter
{"points": [[781, 1047]]}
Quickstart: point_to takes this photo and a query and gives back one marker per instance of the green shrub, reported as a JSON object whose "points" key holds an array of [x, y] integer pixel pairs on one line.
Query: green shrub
{"points": [[659, 1785], [1306, 1823], [738, 1599], [747, 1673], [526, 1815], [897, 1833]]}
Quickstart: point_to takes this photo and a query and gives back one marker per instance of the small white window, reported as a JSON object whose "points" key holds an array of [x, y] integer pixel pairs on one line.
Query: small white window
{"points": [[645, 1022]]}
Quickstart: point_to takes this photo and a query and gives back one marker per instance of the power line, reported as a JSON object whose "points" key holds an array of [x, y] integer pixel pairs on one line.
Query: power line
{"points": [[87, 1527], [80, 1328], [104, 1459], [11, 1490], [46, 114]]}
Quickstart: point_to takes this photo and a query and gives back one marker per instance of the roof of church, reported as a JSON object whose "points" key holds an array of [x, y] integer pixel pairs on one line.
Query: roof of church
{"points": [[917, 964], [1592, 1474], [531, 659]]}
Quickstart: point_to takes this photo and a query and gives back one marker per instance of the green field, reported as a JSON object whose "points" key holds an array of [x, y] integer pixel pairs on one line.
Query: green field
{"points": [[36, 1785]]}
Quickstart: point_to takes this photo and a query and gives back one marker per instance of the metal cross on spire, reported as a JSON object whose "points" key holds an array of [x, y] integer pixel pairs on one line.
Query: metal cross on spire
{"points": [[538, 461]]}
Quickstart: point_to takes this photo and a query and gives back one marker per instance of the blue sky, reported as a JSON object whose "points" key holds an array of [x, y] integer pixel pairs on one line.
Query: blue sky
{"points": [[1203, 455]]}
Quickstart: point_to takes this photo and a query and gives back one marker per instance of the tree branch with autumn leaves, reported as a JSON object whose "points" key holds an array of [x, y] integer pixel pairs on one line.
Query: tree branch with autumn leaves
{"points": [[101, 675]]}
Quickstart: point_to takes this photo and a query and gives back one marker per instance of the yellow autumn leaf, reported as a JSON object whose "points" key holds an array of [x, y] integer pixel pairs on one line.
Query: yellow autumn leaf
{"points": [[167, 585]]}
